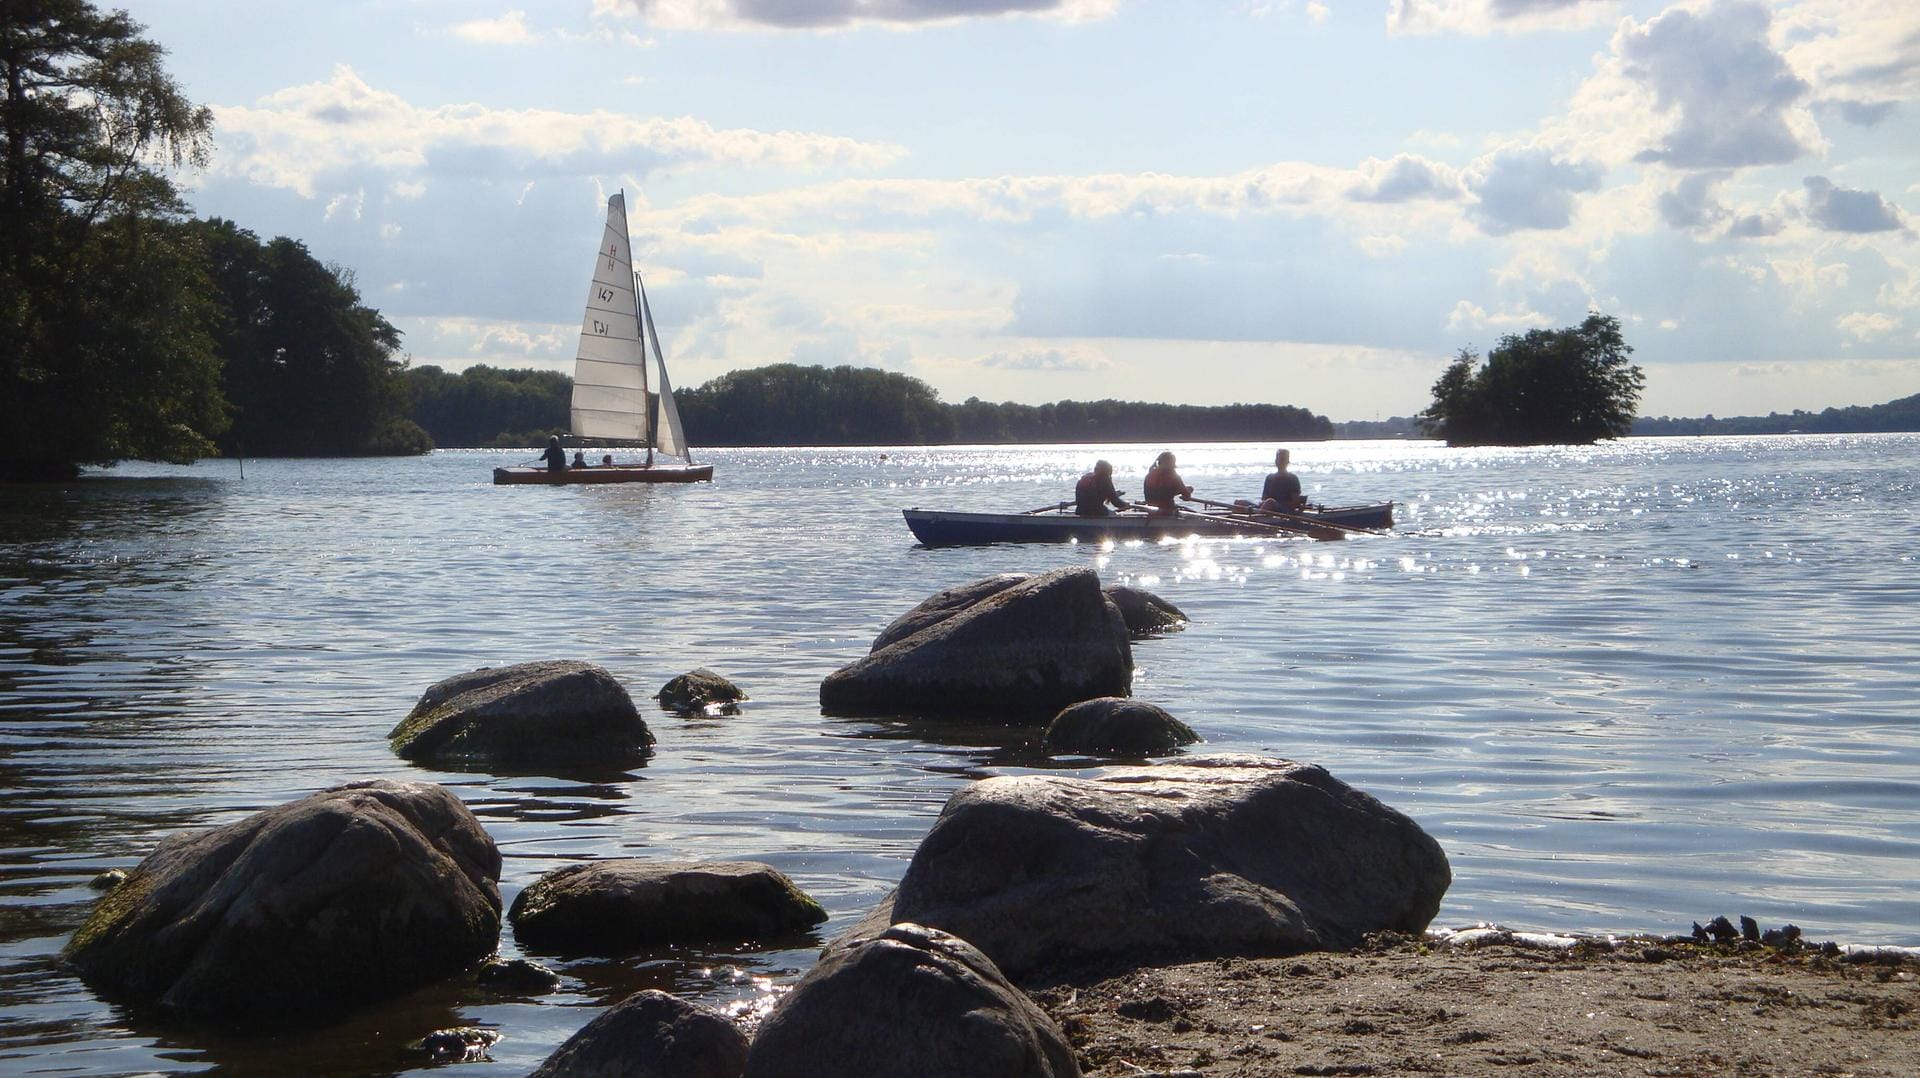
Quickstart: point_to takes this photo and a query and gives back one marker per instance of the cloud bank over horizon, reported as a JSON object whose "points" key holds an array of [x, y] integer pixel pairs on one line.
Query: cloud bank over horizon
{"points": [[1726, 176]]}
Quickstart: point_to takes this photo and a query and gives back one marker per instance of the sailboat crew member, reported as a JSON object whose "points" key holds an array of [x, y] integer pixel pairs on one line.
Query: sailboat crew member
{"points": [[555, 456]]}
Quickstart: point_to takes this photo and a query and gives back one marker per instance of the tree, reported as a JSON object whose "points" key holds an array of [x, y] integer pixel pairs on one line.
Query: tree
{"points": [[309, 369], [104, 345], [1569, 386]]}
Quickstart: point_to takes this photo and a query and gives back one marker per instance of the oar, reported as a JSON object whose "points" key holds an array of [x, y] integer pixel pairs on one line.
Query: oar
{"points": [[1317, 522], [1055, 507], [1273, 529]]}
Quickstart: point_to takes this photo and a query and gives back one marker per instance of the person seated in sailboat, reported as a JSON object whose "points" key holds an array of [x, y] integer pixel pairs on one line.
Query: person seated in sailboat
{"points": [[1163, 485], [579, 460], [1094, 492], [555, 456], [1281, 494], [606, 460]]}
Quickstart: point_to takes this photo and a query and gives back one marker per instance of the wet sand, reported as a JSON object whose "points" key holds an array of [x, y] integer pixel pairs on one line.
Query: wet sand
{"points": [[1407, 1007]]}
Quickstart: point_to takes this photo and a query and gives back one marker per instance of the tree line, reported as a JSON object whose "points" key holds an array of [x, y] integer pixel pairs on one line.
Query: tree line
{"points": [[1895, 415], [789, 404], [129, 329]]}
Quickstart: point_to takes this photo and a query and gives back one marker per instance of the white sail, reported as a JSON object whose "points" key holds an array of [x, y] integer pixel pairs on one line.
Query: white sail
{"points": [[610, 369], [670, 438]]}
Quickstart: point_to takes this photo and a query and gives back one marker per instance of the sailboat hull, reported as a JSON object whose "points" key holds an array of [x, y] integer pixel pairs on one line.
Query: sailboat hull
{"points": [[597, 473]]}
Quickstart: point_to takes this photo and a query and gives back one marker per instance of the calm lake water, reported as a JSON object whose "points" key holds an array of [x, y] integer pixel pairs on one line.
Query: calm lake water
{"points": [[1626, 687]]}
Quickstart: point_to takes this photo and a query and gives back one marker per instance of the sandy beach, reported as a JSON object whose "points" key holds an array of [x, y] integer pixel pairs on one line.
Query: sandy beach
{"points": [[1404, 1007]]}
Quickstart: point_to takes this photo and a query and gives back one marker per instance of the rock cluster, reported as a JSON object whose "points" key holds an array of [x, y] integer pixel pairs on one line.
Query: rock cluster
{"points": [[373, 888]]}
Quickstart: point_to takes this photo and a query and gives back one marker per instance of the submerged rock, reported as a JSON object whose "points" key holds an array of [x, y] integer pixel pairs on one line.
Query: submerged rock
{"points": [[1115, 726], [700, 690], [994, 650], [1145, 613], [622, 905], [348, 896], [464, 1044], [908, 1000], [1208, 857], [517, 977], [543, 714], [651, 1034]]}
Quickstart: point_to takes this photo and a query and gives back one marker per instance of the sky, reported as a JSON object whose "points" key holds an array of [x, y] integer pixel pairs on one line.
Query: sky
{"points": [[1307, 202]]}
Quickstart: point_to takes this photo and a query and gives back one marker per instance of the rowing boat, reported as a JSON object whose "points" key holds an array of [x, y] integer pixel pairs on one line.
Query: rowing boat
{"points": [[1059, 524]]}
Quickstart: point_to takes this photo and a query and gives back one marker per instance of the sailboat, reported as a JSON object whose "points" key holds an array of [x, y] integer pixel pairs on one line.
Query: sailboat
{"points": [[610, 400]]}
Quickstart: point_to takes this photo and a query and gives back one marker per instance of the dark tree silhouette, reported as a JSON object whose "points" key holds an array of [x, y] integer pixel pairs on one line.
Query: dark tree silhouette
{"points": [[104, 349], [1569, 386]]}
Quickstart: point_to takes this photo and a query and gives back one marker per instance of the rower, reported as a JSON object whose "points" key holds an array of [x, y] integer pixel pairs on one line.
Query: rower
{"points": [[1162, 485], [1094, 492], [1282, 492]]}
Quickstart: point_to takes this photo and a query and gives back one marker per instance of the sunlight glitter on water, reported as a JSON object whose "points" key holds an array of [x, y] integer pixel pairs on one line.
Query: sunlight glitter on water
{"points": [[1612, 718]]}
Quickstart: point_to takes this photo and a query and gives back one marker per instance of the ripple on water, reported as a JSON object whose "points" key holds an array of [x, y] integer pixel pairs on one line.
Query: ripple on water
{"points": [[1627, 687]]}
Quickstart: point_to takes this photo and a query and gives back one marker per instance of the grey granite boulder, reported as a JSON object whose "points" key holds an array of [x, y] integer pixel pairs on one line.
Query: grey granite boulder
{"points": [[1018, 654], [944, 604], [344, 897], [908, 1000], [621, 905], [1114, 726], [700, 690], [651, 1034], [1146, 614], [1211, 856], [542, 714]]}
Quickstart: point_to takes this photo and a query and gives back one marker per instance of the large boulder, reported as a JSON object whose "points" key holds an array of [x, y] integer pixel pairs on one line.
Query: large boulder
{"points": [[621, 905], [542, 714], [944, 604], [1145, 613], [1018, 654], [700, 691], [651, 1034], [908, 1000], [1115, 726], [1211, 856], [347, 896]]}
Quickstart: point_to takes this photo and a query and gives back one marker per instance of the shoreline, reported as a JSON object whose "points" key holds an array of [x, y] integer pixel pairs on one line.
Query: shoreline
{"points": [[1488, 1001]]}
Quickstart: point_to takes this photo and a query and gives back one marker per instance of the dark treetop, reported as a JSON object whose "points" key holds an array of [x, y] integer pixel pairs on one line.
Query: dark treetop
{"points": [[1569, 386]]}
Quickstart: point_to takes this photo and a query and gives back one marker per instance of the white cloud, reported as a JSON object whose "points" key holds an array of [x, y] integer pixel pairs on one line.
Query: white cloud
{"points": [[1403, 179], [1493, 16], [1735, 101], [840, 14], [508, 29], [1843, 209], [1860, 52], [294, 136], [1049, 358], [1528, 188], [1866, 326], [1468, 316]]}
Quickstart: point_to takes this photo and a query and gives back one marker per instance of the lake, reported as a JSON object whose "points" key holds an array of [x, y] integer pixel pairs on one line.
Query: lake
{"points": [[1627, 687]]}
